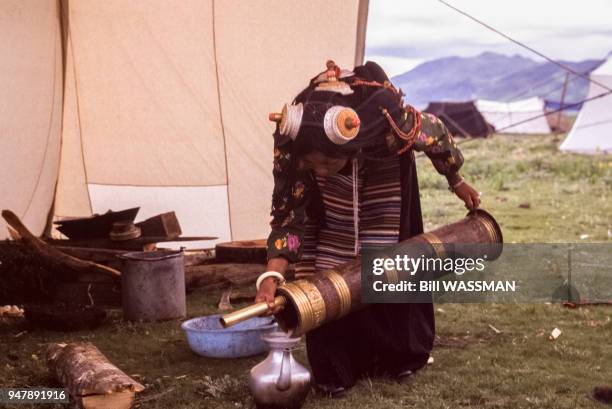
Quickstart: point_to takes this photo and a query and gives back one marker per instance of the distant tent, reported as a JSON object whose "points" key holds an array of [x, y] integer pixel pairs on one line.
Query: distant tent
{"points": [[157, 104], [461, 118], [508, 117], [559, 122], [592, 131], [568, 106]]}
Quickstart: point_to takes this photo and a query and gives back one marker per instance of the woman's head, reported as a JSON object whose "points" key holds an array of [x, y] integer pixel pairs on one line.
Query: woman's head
{"points": [[307, 126], [321, 164]]}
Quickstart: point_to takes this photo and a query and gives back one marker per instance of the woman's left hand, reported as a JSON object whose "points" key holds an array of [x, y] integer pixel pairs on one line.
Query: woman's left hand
{"points": [[469, 195]]}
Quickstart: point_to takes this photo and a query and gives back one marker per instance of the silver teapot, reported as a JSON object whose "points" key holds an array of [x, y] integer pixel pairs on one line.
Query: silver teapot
{"points": [[279, 381]]}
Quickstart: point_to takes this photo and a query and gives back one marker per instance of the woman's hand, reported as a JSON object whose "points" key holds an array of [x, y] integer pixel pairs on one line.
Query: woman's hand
{"points": [[266, 293], [469, 195]]}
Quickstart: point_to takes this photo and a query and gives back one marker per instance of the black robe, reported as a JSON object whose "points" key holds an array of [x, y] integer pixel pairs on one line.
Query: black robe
{"points": [[382, 339]]}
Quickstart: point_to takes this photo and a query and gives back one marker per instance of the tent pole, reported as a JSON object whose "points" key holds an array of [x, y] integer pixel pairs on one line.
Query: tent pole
{"points": [[561, 104], [362, 23]]}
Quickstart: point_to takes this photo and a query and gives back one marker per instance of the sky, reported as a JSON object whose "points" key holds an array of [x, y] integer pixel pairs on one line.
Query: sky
{"points": [[404, 33]]}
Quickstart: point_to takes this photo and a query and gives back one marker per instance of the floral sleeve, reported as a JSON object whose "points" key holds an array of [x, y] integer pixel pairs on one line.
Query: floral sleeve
{"points": [[433, 138], [289, 201], [438, 144]]}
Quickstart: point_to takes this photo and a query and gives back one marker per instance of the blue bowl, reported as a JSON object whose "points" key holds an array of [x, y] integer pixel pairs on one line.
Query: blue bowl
{"points": [[207, 337]]}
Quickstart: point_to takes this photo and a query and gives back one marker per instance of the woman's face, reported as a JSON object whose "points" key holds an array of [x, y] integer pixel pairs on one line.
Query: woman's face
{"points": [[322, 165]]}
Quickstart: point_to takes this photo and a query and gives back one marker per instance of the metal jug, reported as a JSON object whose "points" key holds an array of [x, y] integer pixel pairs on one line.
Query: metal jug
{"points": [[279, 381]]}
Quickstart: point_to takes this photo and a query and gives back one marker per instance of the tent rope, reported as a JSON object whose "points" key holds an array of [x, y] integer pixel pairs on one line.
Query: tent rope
{"points": [[525, 46]]}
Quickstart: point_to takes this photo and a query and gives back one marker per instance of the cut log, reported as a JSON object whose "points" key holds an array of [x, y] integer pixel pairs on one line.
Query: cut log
{"points": [[51, 253], [221, 275], [162, 225], [91, 379], [245, 251], [197, 257]]}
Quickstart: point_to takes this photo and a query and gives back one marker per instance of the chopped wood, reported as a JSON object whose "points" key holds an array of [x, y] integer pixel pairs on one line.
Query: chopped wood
{"points": [[90, 377], [197, 257], [51, 253], [220, 275], [244, 251], [162, 225]]}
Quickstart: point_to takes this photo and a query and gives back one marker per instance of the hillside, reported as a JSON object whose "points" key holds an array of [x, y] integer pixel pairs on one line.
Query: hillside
{"points": [[491, 76]]}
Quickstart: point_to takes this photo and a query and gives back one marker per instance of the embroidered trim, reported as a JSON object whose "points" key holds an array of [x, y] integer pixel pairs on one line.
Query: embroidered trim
{"points": [[410, 136]]}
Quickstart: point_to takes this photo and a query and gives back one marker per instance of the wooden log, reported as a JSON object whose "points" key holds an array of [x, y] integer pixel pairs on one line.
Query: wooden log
{"points": [[91, 379], [49, 252], [162, 225], [244, 251], [221, 275], [197, 257]]}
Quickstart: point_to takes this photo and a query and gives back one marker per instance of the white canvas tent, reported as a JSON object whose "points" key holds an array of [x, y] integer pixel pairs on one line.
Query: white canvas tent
{"points": [[157, 104], [505, 116], [592, 131]]}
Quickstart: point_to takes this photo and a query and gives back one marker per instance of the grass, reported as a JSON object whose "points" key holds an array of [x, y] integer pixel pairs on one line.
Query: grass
{"points": [[474, 367], [569, 195]]}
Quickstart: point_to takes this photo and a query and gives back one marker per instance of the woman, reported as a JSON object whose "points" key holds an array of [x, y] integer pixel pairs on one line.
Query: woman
{"points": [[338, 188]]}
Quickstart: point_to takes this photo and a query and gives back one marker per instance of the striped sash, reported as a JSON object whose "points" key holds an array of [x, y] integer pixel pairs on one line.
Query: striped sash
{"points": [[378, 209]]}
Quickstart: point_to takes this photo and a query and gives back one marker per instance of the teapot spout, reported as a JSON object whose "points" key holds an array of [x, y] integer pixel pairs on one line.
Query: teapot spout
{"points": [[283, 382]]}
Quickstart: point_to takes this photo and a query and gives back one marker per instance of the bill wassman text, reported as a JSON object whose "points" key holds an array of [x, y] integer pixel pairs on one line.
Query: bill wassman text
{"points": [[446, 286]]}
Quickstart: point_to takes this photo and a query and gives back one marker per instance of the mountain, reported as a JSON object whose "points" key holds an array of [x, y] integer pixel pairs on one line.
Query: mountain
{"points": [[491, 76]]}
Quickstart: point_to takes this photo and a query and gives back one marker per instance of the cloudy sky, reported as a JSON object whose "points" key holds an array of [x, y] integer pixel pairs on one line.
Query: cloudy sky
{"points": [[404, 33]]}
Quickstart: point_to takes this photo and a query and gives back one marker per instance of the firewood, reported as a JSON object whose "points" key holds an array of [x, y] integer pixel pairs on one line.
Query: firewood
{"points": [[91, 379], [162, 225], [51, 253], [221, 275]]}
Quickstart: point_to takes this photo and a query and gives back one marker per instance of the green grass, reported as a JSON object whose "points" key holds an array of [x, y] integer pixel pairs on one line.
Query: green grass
{"points": [[569, 195], [474, 366]]}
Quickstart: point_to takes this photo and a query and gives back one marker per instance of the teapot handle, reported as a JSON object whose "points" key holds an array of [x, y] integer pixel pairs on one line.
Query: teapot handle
{"points": [[284, 379]]}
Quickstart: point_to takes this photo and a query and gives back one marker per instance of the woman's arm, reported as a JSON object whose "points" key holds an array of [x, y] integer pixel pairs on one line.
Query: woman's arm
{"points": [[290, 199], [437, 143]]}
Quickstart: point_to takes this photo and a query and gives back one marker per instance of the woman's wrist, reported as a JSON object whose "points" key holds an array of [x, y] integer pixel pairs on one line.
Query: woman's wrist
{"points": [[275, 275], [454, 181]]}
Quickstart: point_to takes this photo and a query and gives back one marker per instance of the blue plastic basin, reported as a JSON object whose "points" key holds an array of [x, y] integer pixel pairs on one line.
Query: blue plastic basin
{"points": [[207, 337]]}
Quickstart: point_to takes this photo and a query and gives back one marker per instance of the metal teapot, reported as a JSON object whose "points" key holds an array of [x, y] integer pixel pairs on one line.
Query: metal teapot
{"points": [[279, 381]]}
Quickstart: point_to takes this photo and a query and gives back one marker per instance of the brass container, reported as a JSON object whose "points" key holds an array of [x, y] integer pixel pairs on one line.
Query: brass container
{"points": [[314, 301]]}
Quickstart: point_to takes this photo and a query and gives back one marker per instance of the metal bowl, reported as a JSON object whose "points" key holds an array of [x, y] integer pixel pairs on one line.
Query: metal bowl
{"points": [[207, 337]]}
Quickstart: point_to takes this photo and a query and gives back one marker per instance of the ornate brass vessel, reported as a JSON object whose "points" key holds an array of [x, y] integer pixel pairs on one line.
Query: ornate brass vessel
{"points": [[311, 302]]}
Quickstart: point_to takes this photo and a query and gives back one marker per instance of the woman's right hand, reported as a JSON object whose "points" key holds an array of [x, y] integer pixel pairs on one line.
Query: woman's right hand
{"points": [[266, 293]]}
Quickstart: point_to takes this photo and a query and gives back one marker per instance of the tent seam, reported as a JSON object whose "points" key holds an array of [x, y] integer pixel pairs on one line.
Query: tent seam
{"points": [[27, 209], [227, 176], [78, 106]]}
